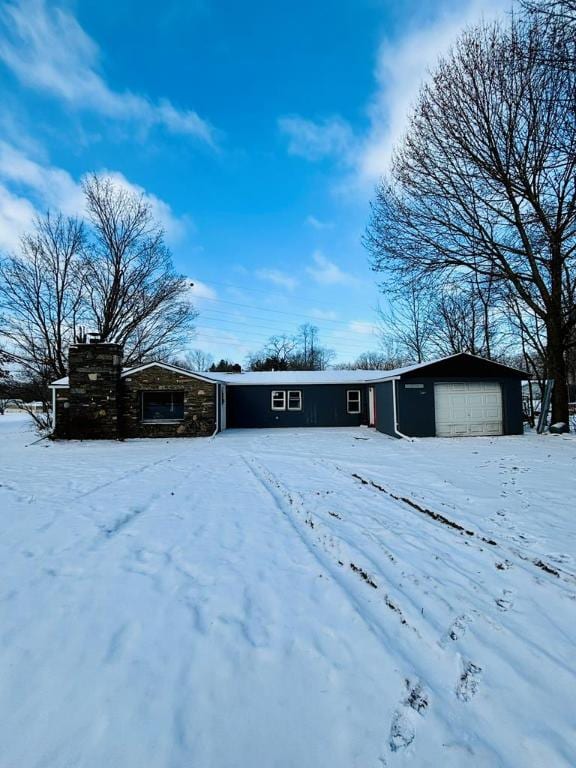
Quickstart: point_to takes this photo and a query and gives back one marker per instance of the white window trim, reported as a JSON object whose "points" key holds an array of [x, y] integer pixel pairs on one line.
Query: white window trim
{"points": [[354, 407], [295, 392], [274, 393]]}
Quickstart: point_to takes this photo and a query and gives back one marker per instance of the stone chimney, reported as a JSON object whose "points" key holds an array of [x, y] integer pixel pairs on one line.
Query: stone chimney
{"points": [[94, 378]]}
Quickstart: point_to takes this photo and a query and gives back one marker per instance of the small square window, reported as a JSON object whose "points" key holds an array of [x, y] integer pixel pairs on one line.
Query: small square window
{"points": [[162, 406], [278, 400], [295, 400], [353, 401]]}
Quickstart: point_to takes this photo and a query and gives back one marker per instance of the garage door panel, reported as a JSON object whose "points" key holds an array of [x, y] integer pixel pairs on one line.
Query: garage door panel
{"points": [[468, 408]]}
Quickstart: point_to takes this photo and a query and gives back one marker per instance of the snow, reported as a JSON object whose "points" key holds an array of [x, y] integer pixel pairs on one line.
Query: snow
{"points": [[281, 598], [291, 378], [297, 378]]}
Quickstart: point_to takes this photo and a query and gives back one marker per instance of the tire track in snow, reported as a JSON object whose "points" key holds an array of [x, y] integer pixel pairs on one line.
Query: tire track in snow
{"points": [[461, 685], [502, 602], [125, 476], [555, 570], [373, 619]]}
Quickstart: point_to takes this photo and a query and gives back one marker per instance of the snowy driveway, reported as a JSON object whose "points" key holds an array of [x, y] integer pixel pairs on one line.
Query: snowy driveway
{"points": [[287, 599]]}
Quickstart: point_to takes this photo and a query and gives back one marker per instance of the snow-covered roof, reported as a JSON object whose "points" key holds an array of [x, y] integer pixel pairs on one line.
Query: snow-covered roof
{"points": [[331, 376], [63, 382], [293, 378]]}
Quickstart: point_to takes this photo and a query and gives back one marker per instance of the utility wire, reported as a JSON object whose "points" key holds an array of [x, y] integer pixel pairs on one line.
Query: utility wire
{"points": [[292, 299], [283, 330], [310, 318]]}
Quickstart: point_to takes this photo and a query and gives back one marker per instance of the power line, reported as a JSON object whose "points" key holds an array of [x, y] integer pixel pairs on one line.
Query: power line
{"points": [[310, 318], [265, 292], [260, 340], [224, 342], [235, 314], [283, 330]]}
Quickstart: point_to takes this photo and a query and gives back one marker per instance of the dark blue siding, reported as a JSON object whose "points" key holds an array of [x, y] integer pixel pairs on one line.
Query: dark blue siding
{"points": [[415, 403], [323, 405], [512, 404], [384, 403], [416, 410]]}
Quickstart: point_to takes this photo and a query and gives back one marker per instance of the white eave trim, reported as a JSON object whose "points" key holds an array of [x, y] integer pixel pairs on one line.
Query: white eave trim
{"points": [[172, 368]]}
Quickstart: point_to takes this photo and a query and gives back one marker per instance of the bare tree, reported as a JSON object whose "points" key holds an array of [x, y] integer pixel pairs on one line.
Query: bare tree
{"points": [[193, 360], [408, 320], [483, 182], [133, 294], [562, 12], [276, 354], [375, 361], [310, 354], [301, 352], [198, 360], [41, 297]]}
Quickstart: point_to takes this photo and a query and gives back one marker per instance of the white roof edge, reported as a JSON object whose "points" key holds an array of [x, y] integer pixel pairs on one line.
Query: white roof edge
{"points": [[168, 367], [237, 379], [399, 372]]}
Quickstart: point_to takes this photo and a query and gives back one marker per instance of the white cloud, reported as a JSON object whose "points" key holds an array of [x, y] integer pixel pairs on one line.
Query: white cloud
{"points": [[326, 272], [363, 328], [31, 187], [401, 68], [175, 227], [48, 50], [318, 224], [16, 216], [51, 187], [316, 140], [200, 290], [324, 314], [277, 277], [220, 343]]}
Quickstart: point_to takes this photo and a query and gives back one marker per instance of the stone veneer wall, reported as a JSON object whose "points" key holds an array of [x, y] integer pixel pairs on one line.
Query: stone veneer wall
{"points": [[62, 430], [93, 394], [199, 404]]}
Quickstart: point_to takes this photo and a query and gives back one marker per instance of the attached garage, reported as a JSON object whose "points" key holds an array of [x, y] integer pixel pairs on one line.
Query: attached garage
{"points": [[458, 396], [468, 408]]}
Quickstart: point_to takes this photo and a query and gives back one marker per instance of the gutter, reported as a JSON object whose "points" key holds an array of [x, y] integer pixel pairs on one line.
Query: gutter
{"points": [[395, 408]]}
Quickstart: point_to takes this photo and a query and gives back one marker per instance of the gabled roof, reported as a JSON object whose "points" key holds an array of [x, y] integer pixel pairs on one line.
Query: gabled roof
{"points": [[65, 382], [301, 378], [175, 369]]}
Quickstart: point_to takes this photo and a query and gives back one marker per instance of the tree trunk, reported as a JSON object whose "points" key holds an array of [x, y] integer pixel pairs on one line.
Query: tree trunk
{"points": [[556, 364]]}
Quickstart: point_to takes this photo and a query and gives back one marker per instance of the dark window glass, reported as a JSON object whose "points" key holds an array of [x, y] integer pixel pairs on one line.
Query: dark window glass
{"points": [[162, 406]]}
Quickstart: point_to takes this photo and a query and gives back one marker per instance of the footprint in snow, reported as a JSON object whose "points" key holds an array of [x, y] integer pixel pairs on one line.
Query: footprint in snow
{"points": [[146, 563], [559, 557], [504, 603], [402, 732], [469, 681], [402, 727], [456, 630]]}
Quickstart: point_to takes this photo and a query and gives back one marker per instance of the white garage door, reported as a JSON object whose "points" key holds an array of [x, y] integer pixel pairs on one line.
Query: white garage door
{"points": [[468, 409]]}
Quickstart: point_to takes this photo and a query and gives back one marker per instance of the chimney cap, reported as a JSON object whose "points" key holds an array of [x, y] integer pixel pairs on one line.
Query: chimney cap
{"points": [[94, 337]]}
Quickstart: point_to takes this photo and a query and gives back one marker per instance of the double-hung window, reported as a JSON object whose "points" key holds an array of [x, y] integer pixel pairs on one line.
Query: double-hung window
{"points": [[294, 399], [286, 400], [353, 401], [278, 400]]}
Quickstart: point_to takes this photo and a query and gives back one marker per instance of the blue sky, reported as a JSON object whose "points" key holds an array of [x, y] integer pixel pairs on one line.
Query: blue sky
{"points": [[257, 129]]}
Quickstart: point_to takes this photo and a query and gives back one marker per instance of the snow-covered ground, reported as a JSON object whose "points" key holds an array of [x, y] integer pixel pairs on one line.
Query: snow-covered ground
{"points": [[287, 599]]}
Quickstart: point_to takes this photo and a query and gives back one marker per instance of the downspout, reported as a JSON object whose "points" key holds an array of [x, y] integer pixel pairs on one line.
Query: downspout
{"points": [[218, 406], [395, 408], [53, 410]]}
